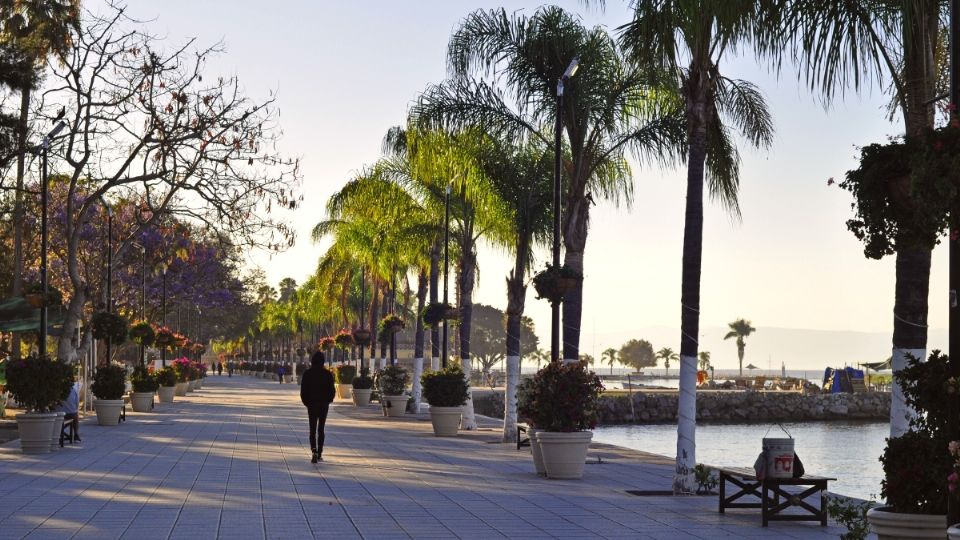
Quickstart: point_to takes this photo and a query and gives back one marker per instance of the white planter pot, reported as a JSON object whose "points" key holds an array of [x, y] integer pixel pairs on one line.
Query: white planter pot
{"points": [[199, 384], [953, 533], [108, 411], [57, 428], [896, 526], [445, 420], [535, 450], [191, 386], [344, 391], [166, 393], [361, 397], [141, 401], [181, 389], [564, 454], [396, 405], [34, 430]]}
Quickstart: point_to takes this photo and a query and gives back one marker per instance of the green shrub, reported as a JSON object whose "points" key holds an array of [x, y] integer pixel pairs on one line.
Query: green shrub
{"points": [[445, 388], [142, 333], [39, 384], [345, 374], [393, 380], [110, 326], [565, 397], [364, 381], [166, 376], [108, 382], [143, 381]]}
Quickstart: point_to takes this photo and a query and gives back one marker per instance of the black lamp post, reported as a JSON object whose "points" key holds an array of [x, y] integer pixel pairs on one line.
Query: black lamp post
{"points": [[109, 270], [558, 135], [143, 293], [446, 269], [363, 306], [953, 344], [44, 149], [163, 309]]}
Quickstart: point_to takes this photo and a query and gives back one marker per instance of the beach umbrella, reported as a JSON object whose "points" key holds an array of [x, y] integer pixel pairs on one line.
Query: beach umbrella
{"points": [[751, 366]]}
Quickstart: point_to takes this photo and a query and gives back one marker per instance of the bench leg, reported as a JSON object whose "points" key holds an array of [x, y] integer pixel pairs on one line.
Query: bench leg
{"points": [[723, 490], [823, 505], [764, 503]]}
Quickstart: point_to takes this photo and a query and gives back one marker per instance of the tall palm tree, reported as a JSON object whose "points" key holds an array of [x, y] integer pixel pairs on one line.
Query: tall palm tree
{"points": [[853, 44], [610, 355], [609, 109], [686, 40], [666, 354], [704, 362], [740, 329], [38, 30]]}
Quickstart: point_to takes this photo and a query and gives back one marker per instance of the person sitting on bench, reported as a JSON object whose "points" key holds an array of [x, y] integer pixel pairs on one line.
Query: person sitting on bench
{"points": [[70, 408]]}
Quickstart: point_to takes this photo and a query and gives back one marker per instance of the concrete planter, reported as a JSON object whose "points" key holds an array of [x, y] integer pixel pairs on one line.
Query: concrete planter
{"points": [[564, 454], [535, 450], [181, 389], [199, 384], [34, 430], [166, 393], [361, 397], [141, 401], [108, 411], [57, 428], [395, 405], [445, 420], [896, 526], [344, 391], [191, 386]]}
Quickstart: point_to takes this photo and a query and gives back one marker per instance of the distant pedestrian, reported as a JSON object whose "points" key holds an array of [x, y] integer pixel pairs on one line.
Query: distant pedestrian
{"points": [[316, 393], [219, 369], [280, 373]]}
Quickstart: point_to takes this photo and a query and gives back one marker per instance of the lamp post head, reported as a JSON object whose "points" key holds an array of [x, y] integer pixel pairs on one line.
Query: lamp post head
{"points": [[448, 189], [571, 69]]}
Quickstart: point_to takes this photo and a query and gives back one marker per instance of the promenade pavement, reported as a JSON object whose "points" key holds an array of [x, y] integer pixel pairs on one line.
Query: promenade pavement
{"points": [[232, 461]]}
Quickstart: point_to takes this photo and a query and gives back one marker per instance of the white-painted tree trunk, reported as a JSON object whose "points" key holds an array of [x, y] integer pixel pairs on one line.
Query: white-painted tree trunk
{"points": [[435, 363], [417, 391], [383, 362], [570, 360], [510, 400], [900, 412], [469, 421], [683, 479]]}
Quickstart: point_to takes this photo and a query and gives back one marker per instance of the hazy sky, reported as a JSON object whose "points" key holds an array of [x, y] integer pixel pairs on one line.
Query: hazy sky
{"points": [[347, 71]]}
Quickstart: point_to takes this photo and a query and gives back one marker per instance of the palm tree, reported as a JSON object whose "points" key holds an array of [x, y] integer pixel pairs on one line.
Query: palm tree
{"points": [[666, 354], [37, 30], [852, 44], [740, 329], [608, 109], [610, 355], [704, 357], [686, 40]]}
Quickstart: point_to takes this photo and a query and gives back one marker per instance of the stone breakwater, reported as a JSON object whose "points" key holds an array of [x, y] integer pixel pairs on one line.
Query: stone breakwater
{"points": [[724, 407]]}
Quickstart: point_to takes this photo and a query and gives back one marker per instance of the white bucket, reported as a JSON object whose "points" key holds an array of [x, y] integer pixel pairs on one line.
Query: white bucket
{"points": [[779, 454]]}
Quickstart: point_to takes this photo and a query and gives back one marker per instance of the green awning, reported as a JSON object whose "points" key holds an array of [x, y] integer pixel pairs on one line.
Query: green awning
{"points": [[877, 366], [16, 315]]}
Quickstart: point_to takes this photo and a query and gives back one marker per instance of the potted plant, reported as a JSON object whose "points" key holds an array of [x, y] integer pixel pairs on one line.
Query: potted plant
{"points": [[327, 343], [391, 324], [435, 313], [181, 366], [34, 296], [565, 406], [344, 378], [39, 385], [446, 391], [142, 333], [526, 397], [361, 336], [362, 388], [144, 386], [344, 340], [167, 379], [164, 338], [393, 383], [106, 325], [109, 383], [555, 282], [915, 489]]}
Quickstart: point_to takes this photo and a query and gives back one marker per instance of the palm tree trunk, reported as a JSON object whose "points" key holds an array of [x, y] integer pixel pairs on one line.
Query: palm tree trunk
{"points": [[374, 317], [434, 298], [418, 341], [18, 209], [516, 296], [683, 480], [577, 219], [740, 348], [466, 279]]}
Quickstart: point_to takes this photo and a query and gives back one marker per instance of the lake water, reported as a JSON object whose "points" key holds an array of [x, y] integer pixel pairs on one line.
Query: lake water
{"points": [[848, 451]]}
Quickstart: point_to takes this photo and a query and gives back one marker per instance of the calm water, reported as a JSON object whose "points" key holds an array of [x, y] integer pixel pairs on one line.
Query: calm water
{"points": [[848, 451]]}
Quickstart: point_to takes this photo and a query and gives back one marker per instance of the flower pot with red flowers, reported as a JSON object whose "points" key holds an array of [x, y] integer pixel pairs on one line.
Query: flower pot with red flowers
{"points": [[555, 282], [916, 490], [564, 409], [327, 343]]}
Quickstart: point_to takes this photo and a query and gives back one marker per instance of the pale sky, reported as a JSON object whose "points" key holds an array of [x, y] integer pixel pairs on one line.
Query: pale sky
{"points": [[347, 71]]}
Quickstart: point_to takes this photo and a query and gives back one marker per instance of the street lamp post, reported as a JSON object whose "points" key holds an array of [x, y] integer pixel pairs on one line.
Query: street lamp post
{"points": [[363, 305], [446, 270], [109, 270], [143, 293], [44, 278], [953, 343], [558, 135], [163, 310]]}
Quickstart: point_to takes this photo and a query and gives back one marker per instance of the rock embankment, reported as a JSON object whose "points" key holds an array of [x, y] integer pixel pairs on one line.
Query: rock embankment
{"points": [[725, 407]]}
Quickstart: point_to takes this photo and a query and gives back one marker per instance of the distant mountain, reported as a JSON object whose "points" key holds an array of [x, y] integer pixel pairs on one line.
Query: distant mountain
{"points": [[798, 348]]}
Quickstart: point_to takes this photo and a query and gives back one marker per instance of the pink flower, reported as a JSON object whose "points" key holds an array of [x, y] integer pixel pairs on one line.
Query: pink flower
{"points": [[954, 447]]}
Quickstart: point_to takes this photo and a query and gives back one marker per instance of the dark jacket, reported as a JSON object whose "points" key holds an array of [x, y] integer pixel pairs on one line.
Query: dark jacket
{"points": [[317, 387]]}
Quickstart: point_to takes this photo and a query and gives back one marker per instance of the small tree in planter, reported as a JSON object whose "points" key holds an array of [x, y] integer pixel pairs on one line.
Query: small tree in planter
{"points": [[446, 391], [39, 384], [554, 283], [564, 408], [144, 385], [393, 381], [362, 388], [109, 383], [344, 378], [106, 325], [167, 379], [916, 489], [526, 402], [435, 313]]}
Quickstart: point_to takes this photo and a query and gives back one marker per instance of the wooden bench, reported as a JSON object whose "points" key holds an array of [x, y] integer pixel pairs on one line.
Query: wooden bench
{"points": [[770, 491]]}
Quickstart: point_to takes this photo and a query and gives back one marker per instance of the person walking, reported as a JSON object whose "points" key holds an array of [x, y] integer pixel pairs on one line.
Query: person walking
{"points": [[316, 393], [219, 369], [280, 373]]}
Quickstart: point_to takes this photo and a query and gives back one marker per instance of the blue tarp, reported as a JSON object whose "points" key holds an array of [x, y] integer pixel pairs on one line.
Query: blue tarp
{"points": [[841, 380]]}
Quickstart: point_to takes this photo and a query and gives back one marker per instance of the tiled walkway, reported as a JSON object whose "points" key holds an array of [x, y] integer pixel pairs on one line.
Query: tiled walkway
{"points": [[231, 461]]}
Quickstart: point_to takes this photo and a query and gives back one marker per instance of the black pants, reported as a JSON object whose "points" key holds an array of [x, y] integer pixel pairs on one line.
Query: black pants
{"points": [[317, 416]]}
